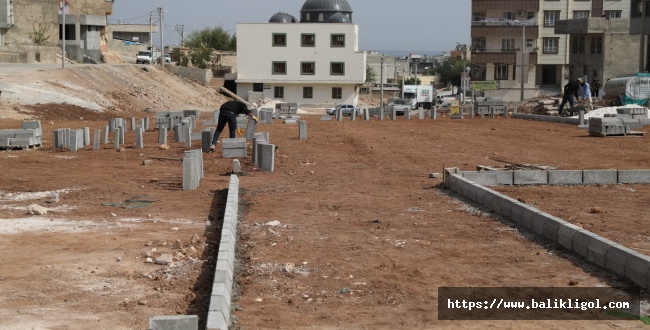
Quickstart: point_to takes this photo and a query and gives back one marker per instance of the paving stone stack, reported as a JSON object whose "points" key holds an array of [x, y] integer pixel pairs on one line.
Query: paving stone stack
{"points": [[170, 118], [286, 109], [490, 105], [29, 136], [633, 117], [607, 126]]}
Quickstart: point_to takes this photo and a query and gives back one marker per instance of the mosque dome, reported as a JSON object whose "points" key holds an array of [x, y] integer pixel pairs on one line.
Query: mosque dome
{"points": [[320, 11], [281, 17], [338, 18]]}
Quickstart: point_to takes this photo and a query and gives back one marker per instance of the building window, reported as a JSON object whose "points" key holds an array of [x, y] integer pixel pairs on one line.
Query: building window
{"points": [[258, 87], [507, 44], [597, 45], [578, 14], [364, 90], [307, 68], [338, 40], [478, 44], [279, 40], [550, 17], [337, 68], [578, 45], [279, 67], [551, 45], [530, 15], [308, 40], [307, 92], [500, 71], [278, 92], [321, 17], [612, 14], [337, 93]]}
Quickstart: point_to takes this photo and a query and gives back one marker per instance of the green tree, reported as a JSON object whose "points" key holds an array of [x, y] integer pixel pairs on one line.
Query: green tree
{"points": [[411, 81], [212, 38], [371, 75], [450, 71], [201, 56]]}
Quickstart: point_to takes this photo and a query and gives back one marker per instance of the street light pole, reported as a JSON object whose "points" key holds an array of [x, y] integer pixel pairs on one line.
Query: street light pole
{"points": [[63, 34], [381, 82], [161, 58]]}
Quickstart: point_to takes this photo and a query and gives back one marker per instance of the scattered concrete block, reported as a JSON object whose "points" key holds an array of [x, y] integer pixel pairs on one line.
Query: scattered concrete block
{"points": [[302, 129], [236, 166], [192, 169], [634, 176], [564, 177], [175, 322], [636, 269], [187, 135], [96, 139], [206, 140], [599, 176], [162, 135], [233, 148], [289, 122], [435, 175], [105, 134], [267, 157], [326, 118], [139, 137], [147, 162], [116, 134], [530, 177], [86, 136], [251, 127]]}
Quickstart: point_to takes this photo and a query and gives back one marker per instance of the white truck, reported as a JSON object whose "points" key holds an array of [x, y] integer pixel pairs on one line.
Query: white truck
{"points": [[147, 57], [420, 95]]}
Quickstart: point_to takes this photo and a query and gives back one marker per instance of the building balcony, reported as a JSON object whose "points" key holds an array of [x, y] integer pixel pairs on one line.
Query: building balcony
{"points": [[500, 29], [506, 5], [502, 57]]}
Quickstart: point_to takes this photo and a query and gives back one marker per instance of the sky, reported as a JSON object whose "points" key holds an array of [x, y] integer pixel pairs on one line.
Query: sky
{"points": [[396, 27]]}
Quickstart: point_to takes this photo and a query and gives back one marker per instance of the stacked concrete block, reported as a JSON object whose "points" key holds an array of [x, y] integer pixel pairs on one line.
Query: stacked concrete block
{"points": [[233, 148], [178, 133], [221, 297], [192, 169], [117, 134], [326, 118], [58, 141], [286, 109], [29, 136], [258, 138], [76, 139], [607, 126], [133, 123]]}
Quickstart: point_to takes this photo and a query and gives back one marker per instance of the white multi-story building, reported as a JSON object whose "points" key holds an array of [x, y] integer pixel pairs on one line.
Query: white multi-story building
{"points": [[314, 62]]}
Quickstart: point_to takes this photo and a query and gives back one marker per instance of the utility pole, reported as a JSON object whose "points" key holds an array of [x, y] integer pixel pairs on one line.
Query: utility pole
{"points": [[181, 29], [162, 47], [151, 31], [523, 58]]}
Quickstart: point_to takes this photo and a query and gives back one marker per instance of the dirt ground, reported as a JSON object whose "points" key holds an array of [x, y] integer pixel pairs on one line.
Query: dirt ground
{"points": [[364, 239]]}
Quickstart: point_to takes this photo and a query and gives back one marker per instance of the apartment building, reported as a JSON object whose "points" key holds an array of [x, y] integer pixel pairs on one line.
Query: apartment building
{"points": [[314, 62], [501, 29], [85, 25]]}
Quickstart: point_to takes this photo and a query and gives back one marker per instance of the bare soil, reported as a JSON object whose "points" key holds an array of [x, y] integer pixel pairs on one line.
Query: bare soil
{"points": [[365, 237]]}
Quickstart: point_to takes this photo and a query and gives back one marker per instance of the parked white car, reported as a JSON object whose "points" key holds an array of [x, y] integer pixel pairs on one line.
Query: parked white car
{"points": [[346, 109]]}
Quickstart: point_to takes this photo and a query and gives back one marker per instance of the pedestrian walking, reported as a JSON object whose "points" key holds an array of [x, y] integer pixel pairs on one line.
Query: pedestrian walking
{"points": [[570, 91], [596, 87]]}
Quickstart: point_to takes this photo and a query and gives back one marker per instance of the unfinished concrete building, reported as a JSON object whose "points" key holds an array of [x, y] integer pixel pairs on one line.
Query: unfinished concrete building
{"points": [[31, 30]]}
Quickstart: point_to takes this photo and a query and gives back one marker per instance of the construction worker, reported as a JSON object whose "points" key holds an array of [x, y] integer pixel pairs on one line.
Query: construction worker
{"points": [[585, 92], [570, 91], [228, 113]]}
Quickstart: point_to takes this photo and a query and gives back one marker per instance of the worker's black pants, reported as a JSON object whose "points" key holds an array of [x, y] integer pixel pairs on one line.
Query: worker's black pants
{"points": [[225, 117]]}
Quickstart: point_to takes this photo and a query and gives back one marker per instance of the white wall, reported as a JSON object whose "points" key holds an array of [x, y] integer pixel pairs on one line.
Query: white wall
{"points": [[255, 55]]}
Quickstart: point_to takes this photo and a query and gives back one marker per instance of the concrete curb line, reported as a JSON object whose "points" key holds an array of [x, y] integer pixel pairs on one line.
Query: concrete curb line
{"points": [[221, 298], [557, 177], [597, 249], [548, 119]]}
